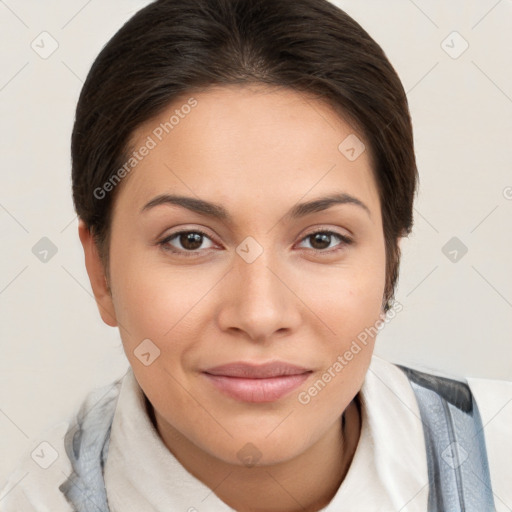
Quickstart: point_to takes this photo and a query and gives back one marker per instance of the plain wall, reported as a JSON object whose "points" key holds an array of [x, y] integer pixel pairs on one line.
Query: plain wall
{"points": [[457, 315]]}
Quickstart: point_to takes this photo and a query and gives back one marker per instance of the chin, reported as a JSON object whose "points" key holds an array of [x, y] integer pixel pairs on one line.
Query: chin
{"points": [[264, 452]]}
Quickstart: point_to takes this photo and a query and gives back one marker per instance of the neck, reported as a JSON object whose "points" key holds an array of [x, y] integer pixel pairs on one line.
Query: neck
{"points": [[306, 483]]}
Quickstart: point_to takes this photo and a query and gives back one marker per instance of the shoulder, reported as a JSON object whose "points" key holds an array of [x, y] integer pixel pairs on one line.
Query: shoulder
{"points": [[492, 396], [34, 485], [494, 400]]}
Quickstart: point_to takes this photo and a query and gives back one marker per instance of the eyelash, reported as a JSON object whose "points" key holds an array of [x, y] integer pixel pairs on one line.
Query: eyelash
{"points": [[191, 254]]}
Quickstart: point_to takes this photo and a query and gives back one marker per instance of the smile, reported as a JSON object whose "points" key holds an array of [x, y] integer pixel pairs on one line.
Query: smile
{"points": [[257, 390]]}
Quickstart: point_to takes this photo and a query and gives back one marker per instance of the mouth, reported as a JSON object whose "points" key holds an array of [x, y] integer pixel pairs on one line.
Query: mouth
{"points": [[257, 383]]}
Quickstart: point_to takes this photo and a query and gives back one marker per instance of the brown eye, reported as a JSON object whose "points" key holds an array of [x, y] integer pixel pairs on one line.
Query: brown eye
{"points": [[189, 242], [321, 241]]}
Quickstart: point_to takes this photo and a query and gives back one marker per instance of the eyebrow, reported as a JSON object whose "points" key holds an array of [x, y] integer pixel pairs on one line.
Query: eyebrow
{"points": [[219, 212]]}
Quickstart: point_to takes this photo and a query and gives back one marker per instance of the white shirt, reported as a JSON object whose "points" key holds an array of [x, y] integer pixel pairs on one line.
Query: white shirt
{"points": [[388, 472]]}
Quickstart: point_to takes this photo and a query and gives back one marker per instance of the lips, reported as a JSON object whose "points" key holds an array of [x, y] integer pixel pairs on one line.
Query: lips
{"points": [[253, 371], [257, 383]]}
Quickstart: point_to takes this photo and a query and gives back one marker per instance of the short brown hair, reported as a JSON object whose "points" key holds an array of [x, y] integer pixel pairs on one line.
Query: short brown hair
{"points": [[174, 47]]}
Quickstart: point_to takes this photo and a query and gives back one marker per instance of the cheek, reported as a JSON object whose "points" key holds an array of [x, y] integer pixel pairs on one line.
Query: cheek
{"points": [[350, 303], [147, 303], [348, 298], [160, 302], [351, 309]]}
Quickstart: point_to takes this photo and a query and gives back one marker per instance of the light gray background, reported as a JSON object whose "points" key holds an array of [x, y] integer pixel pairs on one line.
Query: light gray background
{"points": [[457, 316]]}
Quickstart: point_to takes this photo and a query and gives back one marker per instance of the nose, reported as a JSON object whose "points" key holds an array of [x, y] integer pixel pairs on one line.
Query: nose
{"points": [[258, 299]]}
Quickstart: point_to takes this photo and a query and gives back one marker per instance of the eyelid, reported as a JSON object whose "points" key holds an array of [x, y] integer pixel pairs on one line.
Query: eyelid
{"points": [[326, 229]]}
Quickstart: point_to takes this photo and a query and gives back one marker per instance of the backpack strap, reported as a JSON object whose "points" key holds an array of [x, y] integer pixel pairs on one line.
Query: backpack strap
{"points": [[458, 469], [86, 445]]}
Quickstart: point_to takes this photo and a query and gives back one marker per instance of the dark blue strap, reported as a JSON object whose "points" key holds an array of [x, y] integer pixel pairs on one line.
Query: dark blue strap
{"points": [[458, 468]]}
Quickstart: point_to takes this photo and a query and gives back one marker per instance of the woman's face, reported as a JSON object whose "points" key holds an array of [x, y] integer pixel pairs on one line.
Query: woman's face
{"points": [[258, 286]]}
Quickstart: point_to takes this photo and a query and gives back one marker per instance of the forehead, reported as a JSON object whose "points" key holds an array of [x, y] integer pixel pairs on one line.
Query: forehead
{"points": [[247, 143]]}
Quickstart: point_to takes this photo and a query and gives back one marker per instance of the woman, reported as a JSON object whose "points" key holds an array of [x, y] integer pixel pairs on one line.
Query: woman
{"points": [[243, 172]]}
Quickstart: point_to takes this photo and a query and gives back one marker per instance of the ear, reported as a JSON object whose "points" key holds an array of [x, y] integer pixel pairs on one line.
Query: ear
{"points": [[97, 275]]}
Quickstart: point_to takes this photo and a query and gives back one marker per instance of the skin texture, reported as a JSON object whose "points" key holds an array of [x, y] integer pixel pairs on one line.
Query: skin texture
{"points": [[258, 152]]}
